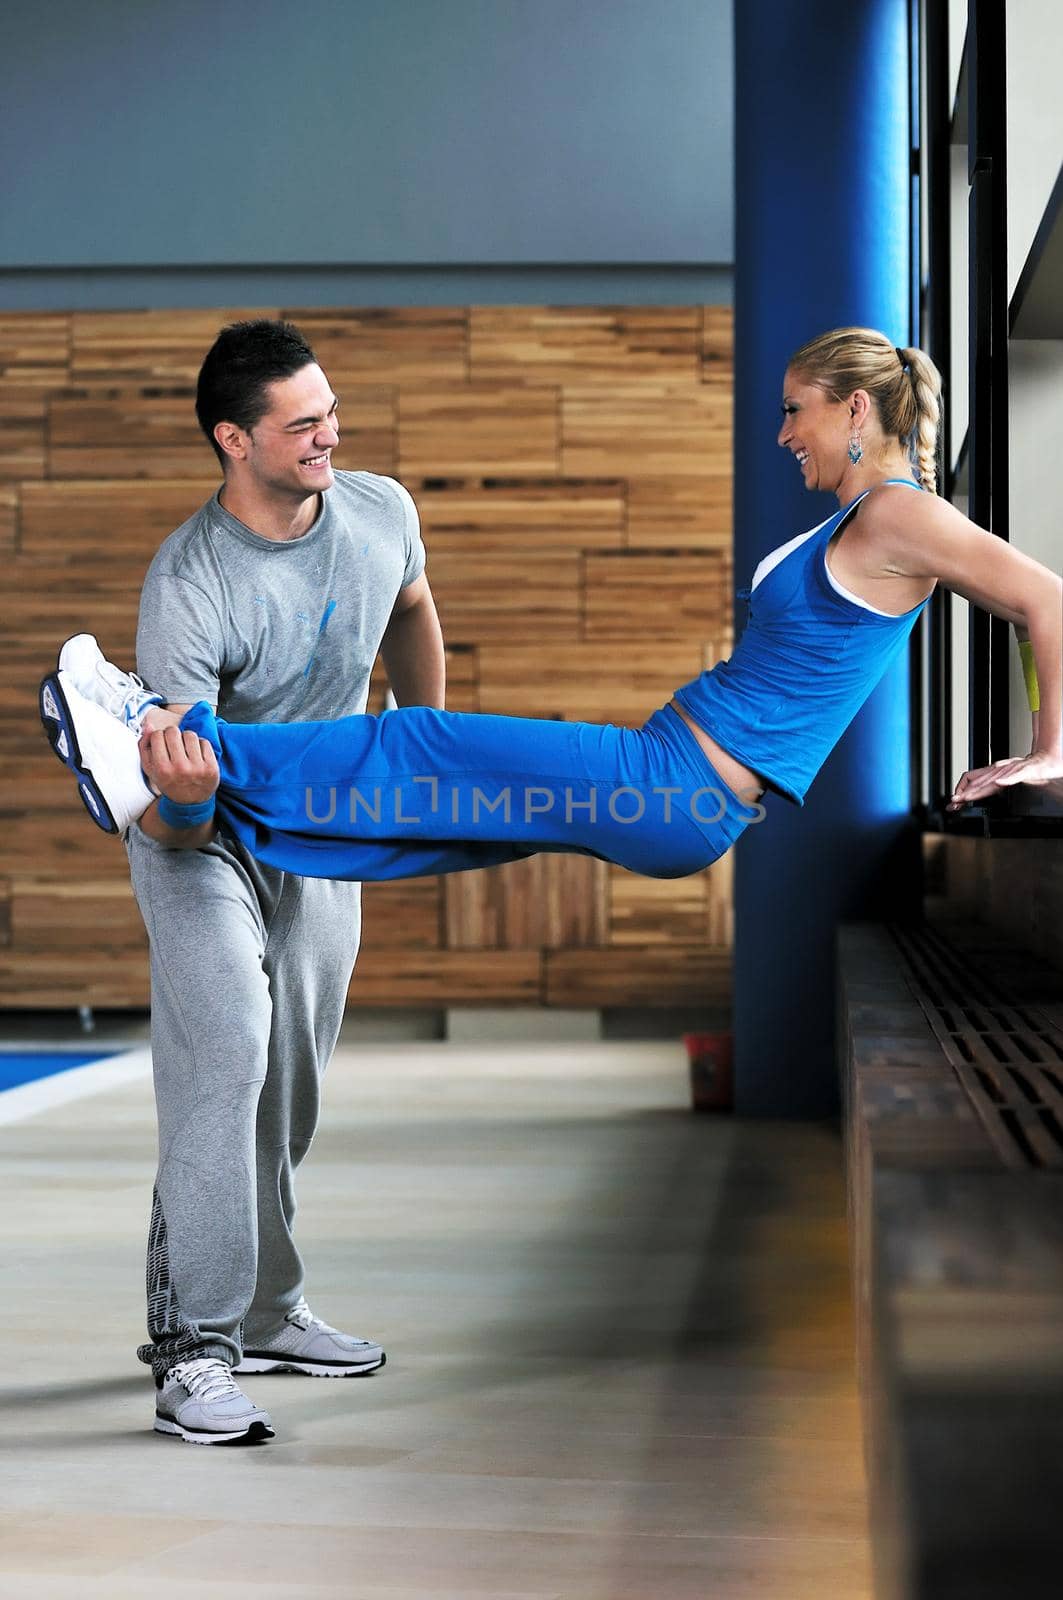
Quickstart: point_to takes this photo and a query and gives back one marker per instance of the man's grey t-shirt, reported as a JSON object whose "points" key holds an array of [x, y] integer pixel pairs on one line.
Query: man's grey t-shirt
{"points": [[270, 631]]}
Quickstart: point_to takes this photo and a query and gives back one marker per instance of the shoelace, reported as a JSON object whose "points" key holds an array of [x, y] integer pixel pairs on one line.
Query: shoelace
{"points": [[207, 1378], [303, 1317], [128, 698]]}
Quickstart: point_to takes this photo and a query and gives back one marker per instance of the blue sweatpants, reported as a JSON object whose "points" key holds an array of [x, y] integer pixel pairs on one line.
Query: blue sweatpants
{"points": [[416, 791]]}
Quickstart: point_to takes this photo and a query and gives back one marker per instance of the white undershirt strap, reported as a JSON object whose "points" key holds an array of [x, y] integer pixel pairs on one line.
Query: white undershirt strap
{"points": [[772, 560], [847, 594]]}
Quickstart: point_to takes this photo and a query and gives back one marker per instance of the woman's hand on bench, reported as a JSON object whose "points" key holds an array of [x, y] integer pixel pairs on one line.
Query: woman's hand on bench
{"points": [[1040, 768]]}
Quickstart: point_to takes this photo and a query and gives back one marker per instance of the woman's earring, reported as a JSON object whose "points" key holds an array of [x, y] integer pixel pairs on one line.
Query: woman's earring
{"points": [[856, 449]]}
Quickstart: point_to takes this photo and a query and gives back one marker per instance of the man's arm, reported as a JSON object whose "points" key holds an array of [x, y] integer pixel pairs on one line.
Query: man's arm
{"points": [[181, 766], [180, 635], [412, 648]]}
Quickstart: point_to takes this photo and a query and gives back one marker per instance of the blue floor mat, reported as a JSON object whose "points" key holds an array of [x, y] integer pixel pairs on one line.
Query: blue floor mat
{"points": [[25, 1066]]}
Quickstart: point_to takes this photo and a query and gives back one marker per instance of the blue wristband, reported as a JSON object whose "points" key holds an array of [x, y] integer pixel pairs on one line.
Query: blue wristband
{"points": [[176, 815]]}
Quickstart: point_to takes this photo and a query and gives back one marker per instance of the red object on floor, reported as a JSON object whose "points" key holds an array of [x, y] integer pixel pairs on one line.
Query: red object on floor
{"points": [[711, 1070]]}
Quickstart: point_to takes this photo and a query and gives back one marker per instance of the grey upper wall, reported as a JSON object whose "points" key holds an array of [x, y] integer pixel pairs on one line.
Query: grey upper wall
{"points": [[407, 134]]}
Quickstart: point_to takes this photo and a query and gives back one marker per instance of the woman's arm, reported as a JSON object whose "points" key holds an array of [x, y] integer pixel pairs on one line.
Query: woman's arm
{"points": [[1022, 634], [923, 536]]}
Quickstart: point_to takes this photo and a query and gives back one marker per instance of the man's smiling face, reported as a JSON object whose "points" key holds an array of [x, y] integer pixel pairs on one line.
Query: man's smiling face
{"points": [[290, 448]]}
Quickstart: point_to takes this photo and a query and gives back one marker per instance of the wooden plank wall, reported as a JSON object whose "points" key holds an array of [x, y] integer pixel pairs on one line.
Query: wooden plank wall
{"points": [[573, 472]]}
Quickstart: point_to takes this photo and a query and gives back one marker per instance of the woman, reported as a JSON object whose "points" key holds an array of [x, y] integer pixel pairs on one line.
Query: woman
{"points": [[419, 791]]}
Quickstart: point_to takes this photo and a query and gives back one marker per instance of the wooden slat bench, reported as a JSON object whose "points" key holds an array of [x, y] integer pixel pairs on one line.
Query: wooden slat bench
{"points": [[951, 1054]]}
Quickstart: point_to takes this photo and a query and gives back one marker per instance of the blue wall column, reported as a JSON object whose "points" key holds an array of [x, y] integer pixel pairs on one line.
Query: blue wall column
{"points": [[822, 234]]}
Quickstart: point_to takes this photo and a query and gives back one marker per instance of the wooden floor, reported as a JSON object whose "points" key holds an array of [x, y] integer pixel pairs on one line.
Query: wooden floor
{"points": [[620, 1351]]}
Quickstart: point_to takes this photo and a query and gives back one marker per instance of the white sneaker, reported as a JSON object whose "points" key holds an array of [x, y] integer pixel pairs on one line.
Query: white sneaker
{"points": [[201, 1402], [122, 694], [99, 749]]}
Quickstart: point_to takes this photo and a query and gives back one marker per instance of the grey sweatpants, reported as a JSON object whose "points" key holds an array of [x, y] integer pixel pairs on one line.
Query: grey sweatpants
{"points": [[249, 975]]}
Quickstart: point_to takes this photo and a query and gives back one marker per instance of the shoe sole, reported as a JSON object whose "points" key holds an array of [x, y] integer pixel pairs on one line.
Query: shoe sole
{"points": [[58, 725], [255, 1433], [309, 1369]]}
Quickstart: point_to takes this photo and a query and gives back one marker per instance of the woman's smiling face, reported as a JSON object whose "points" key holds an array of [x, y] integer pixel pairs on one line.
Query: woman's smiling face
{"points": [[815, 429]]}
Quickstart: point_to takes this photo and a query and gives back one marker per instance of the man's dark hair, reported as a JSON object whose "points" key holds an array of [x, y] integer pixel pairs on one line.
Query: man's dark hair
{"points": [[243, 360]]}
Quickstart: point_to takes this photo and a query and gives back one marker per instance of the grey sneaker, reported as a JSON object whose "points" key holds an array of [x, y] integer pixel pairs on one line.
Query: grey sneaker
{"points": [[306, 1344], [200, 1402], [120, 694]]}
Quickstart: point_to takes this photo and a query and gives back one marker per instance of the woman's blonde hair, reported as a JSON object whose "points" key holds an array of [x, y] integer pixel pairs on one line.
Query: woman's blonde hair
{"points": [[904, 385]]}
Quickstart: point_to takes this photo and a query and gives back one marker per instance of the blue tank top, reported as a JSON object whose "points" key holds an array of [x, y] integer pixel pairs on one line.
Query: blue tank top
{"points": [[808, 659]]}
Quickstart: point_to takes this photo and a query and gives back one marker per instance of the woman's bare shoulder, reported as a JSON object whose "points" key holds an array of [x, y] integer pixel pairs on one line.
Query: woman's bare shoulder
{"points": [[910, 530]]}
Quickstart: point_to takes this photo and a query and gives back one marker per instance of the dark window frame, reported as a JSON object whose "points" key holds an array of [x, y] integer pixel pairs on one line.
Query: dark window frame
{"points": [[978, 119]]}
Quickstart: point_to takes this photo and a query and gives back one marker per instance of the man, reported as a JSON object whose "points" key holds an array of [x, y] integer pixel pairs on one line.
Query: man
{"points": [[271, 603]]}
